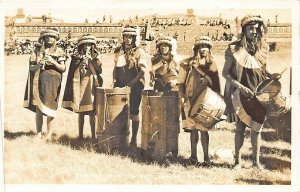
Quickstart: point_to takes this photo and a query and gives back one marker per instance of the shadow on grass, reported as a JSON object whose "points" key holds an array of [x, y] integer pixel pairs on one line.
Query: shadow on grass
{"points": [[270, 134], [271, 163], [141, 156], [276, 151], [277, 128], [13, 135], [136, 154], [265, 182], [75, 143]]}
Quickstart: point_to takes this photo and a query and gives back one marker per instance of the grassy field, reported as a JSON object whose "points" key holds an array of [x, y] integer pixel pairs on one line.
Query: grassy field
{"points": [[66, 160]]}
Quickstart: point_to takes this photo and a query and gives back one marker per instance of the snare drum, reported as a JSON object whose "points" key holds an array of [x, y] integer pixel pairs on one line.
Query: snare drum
{"points": [[208, 108], [275, 101]]}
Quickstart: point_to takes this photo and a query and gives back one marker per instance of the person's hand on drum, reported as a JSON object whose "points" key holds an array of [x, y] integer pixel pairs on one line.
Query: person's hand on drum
{"points": [[275, 76], [246, 92], [173, 82], [130, 84]]}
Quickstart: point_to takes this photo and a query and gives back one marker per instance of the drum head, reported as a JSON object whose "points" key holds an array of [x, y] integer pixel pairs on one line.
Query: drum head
{"points": [[268, 89], [153, 93], [113, 91]]}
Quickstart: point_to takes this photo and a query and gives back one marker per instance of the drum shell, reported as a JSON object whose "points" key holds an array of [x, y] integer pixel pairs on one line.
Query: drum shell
{"points": [[208, 108], [112, 110], [275, 101], [160, 122]]}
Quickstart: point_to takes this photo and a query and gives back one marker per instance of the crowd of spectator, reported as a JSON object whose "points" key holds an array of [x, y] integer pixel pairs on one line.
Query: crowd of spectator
{"points": [[25, 46], [218, 22], [18, 46]]}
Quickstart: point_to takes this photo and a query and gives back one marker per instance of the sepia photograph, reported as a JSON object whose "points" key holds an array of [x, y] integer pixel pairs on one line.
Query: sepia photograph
{"points": [[155, 94]]}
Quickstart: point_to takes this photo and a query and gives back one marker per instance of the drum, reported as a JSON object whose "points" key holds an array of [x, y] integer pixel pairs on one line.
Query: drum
{"points": [[269, 94], [208, 108], [112, 111], [160, 123]]}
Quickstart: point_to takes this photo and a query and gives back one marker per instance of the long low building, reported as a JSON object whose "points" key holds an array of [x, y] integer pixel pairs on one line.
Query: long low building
{"points": [[100, 30], [279, 32]]}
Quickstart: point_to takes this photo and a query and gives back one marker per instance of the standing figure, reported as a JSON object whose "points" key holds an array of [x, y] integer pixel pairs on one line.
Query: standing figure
{"points": [[244, 69], [83, 78], [46, 66], [195, 74], [165, 65], [129, 70]]}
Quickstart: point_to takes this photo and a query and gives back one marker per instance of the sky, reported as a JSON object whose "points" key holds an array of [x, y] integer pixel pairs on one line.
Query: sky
{"points": [[93, 10]]}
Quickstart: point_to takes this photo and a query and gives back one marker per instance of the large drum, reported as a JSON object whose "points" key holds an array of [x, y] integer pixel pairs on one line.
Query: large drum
{"points": [[269, 94], [208, 108], [160, 127], [112, 118]]}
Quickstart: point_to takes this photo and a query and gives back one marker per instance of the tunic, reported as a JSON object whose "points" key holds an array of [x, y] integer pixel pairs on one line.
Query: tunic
{"points": [[165, 72], [43, 85], [127, 66], [192, 74], [83, 78], [249, 70]]}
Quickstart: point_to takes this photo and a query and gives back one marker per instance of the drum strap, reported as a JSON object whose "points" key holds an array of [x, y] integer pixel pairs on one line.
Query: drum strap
{"points": [[95, 75], [200, 72]]}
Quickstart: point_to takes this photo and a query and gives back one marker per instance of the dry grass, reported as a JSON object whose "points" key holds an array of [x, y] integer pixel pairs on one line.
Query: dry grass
{"points": [[66, 160]]}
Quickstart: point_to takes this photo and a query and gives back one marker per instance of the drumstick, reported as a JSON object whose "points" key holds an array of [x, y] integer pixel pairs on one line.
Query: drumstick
{"points": [[267, 85]]}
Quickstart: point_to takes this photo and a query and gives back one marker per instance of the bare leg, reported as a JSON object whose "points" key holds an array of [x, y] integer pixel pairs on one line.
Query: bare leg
{"points": [[49, 127], [135, 128], [205, 143], [92, 124], [239, 140], [80, 124], [194, 137], [38, 120], [255, 142]]}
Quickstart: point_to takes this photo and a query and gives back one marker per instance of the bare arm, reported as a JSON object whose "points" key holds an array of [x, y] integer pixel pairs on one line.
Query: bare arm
{"points": [[142, 65], [229, 63], [59, 65], [226, 74]]}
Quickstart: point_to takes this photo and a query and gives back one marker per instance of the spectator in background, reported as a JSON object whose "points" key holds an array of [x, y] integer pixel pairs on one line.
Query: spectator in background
{"points": [[175, 36]]}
